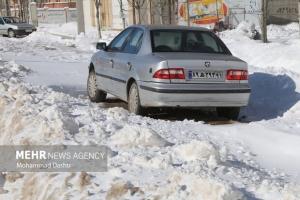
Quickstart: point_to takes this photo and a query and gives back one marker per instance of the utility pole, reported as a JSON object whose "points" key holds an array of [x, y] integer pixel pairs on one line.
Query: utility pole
{"points": [[188, 12], [80, 16], [264, 20]]}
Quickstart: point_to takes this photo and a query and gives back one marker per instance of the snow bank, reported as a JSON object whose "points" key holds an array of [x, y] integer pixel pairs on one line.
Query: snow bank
{"points": [[150, 158], [130, 136], [280, 54], [143, 163], [85, 41], [189, 186], [22, 119], [199, 150]]}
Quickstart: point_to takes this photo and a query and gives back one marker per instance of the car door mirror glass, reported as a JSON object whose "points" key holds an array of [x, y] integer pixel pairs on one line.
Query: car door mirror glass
{"points": [[101, 46]]}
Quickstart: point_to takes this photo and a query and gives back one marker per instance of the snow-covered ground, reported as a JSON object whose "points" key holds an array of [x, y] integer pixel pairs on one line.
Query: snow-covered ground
{"points": [[43, 101]]}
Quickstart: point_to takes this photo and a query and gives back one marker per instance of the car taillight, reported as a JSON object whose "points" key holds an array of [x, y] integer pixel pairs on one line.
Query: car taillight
{"points": [[237, 74], [172, 73]]}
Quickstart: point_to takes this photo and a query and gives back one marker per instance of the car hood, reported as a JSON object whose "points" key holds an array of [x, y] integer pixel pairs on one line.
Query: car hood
{"points": [[23, 26]]}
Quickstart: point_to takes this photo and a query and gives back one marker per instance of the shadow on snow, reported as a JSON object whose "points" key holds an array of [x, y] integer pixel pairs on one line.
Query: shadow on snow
{"points": [[271, 96]]}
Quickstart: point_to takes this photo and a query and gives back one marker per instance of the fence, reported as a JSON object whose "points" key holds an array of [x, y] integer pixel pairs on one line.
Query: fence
{"points": [[56, 15]]}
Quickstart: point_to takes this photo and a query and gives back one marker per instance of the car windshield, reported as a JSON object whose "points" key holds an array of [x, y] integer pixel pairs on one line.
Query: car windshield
{"points": [[186, 41], [11, 20]]}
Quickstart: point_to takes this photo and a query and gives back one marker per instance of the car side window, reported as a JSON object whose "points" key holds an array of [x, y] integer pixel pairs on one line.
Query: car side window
{"points": [[118, 43], [1, 21], [135, 42]]}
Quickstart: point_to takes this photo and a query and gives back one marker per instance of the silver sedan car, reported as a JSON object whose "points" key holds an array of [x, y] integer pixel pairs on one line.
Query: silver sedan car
{"points": [[169, 66]]}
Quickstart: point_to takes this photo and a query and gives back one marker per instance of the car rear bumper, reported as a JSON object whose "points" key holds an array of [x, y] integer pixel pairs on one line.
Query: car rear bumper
{"points": [[193, 95]]}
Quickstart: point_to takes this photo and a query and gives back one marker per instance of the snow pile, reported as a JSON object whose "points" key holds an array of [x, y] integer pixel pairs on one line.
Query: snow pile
{"points": [[24, 119], [143, 162], [85, 41], [154, 159], [190, 186], [199, 150], [281, 54], [130, 136]]}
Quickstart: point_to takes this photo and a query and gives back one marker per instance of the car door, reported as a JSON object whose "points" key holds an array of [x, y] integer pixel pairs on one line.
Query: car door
{"points": [[105, 62], [2, 26], [124, 60]]}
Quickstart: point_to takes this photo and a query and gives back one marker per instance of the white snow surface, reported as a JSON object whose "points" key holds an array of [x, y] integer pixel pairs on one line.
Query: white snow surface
{"points": [[43, 101]]}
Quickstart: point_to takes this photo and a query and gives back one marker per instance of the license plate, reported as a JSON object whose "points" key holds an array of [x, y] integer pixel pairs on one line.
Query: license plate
{"points": [[28, 31], [210, 75]]}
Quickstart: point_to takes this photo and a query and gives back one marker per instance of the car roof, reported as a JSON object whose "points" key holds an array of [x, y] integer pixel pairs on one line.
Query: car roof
{"points": [[172, 27]]}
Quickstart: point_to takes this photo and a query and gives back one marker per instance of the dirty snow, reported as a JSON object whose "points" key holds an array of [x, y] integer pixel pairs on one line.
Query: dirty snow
{"points": [[152, 158]]}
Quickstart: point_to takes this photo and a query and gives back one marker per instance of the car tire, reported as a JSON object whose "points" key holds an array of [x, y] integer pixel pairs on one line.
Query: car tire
{"points": [[11, 33], [229, 112], [134, 104], [94, 93]]}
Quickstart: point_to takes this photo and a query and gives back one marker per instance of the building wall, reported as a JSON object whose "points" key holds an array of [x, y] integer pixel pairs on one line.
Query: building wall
{"points": [[282, 12], [150, 13], [202, 12], [89, 13], [208, 12], [57, 4]]}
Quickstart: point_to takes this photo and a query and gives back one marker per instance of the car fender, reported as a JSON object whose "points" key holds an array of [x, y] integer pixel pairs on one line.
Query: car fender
{"points": [[9, 26]]}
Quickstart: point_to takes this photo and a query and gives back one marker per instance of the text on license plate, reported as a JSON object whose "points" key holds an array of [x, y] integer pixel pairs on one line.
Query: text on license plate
{"points": [[205, 75], [28, 31]]}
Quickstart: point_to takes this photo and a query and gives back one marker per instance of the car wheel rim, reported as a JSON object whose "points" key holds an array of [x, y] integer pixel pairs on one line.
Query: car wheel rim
{"points": [[11, 34], [92, 86]]}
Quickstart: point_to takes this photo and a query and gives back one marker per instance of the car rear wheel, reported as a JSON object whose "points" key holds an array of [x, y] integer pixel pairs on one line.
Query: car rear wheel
{"points": [[134, 104], [11, 33], [94, 93], [229, 112]]}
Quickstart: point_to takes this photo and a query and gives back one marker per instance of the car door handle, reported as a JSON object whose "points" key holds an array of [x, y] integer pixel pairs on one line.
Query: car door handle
{"points": [[129, 65], [111, 61]]}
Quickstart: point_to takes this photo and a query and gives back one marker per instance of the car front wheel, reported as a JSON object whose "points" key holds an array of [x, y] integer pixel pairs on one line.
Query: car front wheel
{"points": [[229, 112], [11, 33], [134, 104], [94, 93]]}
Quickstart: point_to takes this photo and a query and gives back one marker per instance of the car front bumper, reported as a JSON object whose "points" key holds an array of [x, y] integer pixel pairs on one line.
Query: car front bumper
{"points": [[23, 32], [193, 95]]}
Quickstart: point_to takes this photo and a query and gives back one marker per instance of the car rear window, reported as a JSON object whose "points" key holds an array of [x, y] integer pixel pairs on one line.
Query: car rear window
{"points": [[186, 41]]}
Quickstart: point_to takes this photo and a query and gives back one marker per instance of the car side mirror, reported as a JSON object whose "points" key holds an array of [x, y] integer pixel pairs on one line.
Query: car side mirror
{"points": [[101, 46]]}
